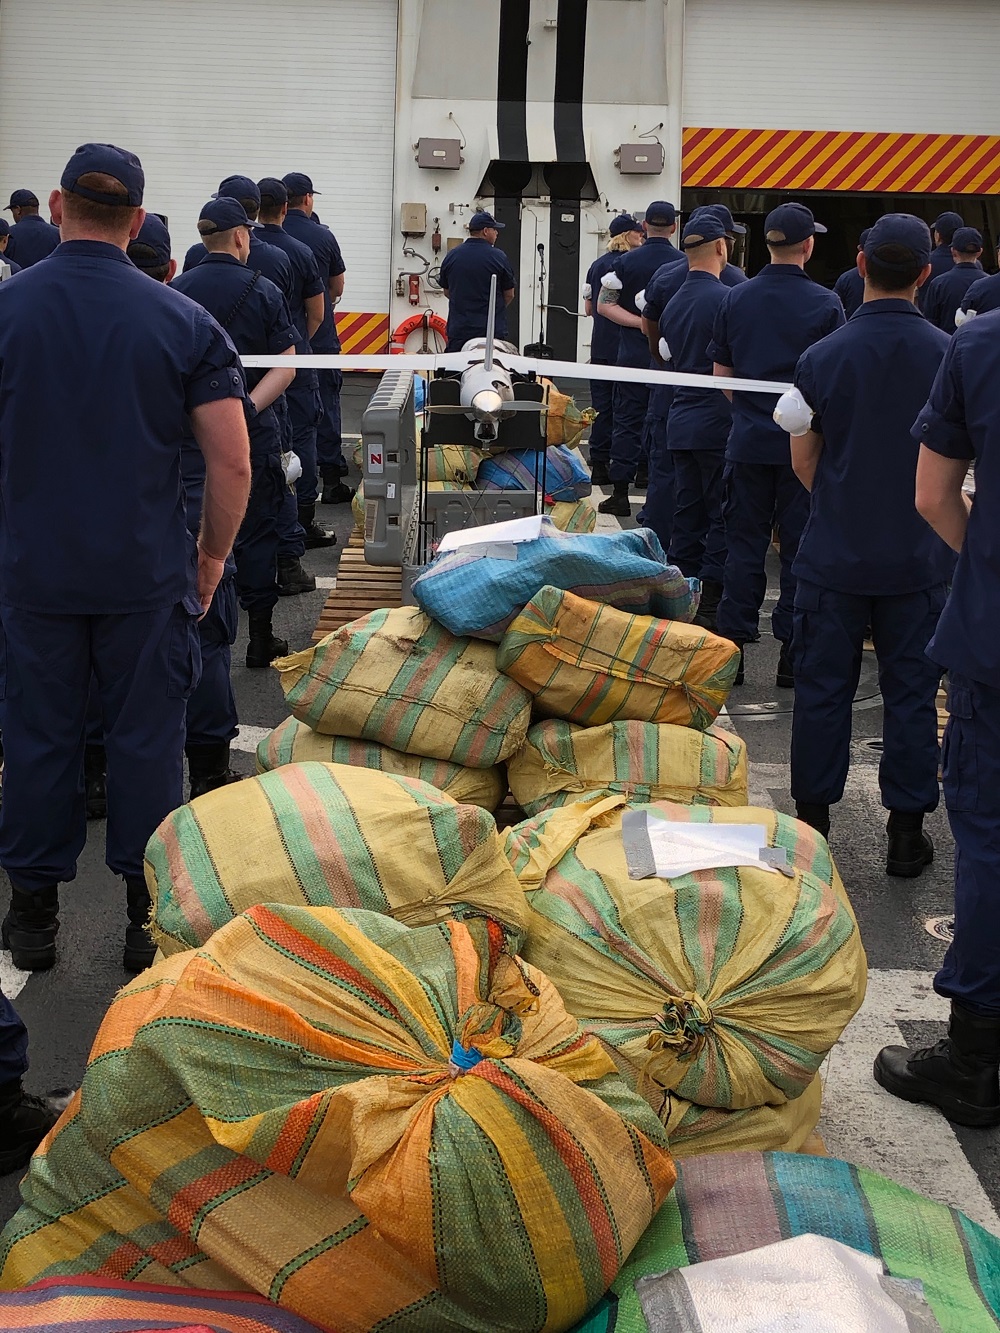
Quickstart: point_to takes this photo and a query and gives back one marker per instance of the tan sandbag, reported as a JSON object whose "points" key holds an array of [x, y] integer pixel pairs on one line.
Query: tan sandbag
{"points": [[573, 515], [399, 678], [644, 761], [292, 742], [693, 1130]]}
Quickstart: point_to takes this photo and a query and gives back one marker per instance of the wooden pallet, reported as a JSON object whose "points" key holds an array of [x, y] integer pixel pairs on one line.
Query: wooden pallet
{"points": [[360, 588]]}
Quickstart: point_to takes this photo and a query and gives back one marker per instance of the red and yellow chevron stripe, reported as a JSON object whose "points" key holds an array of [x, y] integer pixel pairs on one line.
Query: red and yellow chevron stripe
{"points": [[841, 160], [363, 334]]}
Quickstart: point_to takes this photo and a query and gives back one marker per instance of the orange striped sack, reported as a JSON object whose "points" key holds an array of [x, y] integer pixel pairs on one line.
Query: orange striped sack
{"points": [[399, 678], [373, 1127], [590, 663], [325, 835], [644, 761], [292, 742]]}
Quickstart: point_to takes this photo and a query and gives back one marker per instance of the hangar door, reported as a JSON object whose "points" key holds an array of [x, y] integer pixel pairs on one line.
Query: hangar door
{"points": [[202, 89]]}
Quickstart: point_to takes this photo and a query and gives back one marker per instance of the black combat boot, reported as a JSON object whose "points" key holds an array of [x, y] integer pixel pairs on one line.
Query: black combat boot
{"points": [[24, 1122], [784, 677], [208, 768], [910, 848], [316, 534], [816, 816], [30, 927], [618, 503], [335, 490], [139, 947], [599, 472], [263, 646], [740, 676], [958, 1075], [708, 607], [292, 578], [95, 770]]}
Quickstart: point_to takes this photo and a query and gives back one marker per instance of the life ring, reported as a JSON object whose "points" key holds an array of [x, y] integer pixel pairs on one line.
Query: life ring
{"points": [[426, 321]]}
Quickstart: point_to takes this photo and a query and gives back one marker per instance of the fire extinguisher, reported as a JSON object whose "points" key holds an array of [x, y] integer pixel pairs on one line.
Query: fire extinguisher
{"points": [[414, 286]]}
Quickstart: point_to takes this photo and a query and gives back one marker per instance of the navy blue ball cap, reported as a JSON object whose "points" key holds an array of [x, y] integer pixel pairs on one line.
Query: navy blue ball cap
{"points": [[238, 187], [661, 213], [273, 190], [864, 237], [947, 224], [222, 214], [733, 228], [297, 182], [107, 160], [23, 199], [904, 230], [481, 220], [967, 240], [790, 224], [622, 223], [4, 227], [156, 239], [701, 228]]}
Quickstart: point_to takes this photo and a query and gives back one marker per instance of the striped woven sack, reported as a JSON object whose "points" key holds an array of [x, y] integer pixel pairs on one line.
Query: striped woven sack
{"points": [[566, 477], [644, 761], [292, 742], [742, 1201], [580, 516], [398, 678], [374, 1127], [725, 986], [325, 835], [358, 507], [478, 590], [592, 664], [564, 421], [103, 1305], [452, 462]]}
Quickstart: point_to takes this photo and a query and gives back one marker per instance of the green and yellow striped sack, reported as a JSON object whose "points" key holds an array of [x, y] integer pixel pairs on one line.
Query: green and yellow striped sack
{"points": [[725, 986], [373, 1127], [398, 678], [590, 663], [644, 761], [742, 1201], [573, 515], [292, 742], [326, 835], [452, 462]]}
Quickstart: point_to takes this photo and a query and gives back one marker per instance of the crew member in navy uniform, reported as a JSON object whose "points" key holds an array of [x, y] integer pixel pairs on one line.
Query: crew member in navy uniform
{"points": [[850, 286], [943, 228], [946, 292], [617, 302], [326, 461], [25, 1119], [866, 556], [761, 330], [272, 264], [255, 315], [982, 297], [700, 419], [12, 268], [961, 423], [31, 237], [104, 367], [466, 276], [625, 234]]}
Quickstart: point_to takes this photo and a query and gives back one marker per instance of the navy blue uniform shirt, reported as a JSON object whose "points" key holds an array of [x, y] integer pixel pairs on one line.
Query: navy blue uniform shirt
{"points": [[14, 268], [330, 262], [699, 418], [941, 261], [762, 328], [466, 272], [984, 295], [604, 339], [306, 281], [634, 269], [945, 294], [667, 281], [961, 419], [865, 382], [31, 239], [850, 287], [99, 368], [268, 258], [261, 324]]}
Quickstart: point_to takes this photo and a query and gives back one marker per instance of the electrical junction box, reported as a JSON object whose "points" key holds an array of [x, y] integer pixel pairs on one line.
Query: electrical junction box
{"points": [[641, 159], [442, 154], [454, 241], [413, 219]]}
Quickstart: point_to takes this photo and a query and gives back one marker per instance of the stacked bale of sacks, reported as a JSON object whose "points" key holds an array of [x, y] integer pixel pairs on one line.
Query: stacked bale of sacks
{"points": [[419, 1135], [719, 992]]}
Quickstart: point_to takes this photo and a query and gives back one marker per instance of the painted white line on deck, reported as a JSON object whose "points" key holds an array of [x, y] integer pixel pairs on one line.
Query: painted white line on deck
{"points": [[12, 980], [250, 737]]}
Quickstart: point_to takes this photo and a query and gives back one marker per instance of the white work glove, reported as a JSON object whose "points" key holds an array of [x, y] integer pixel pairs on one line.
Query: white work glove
{"points": [[962, 315], [612, 282], [664, 350], [793, 413], [587, 291], [291, 465]]}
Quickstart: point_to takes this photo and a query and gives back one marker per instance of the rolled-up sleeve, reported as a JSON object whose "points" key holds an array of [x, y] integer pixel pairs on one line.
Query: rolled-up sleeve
{"points": [[216, 371], [941, 425], [719, 349]]}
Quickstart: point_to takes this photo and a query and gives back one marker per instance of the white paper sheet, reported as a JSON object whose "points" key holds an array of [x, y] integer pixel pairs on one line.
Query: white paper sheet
{"points": [[681, 849], [514, 530]]}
